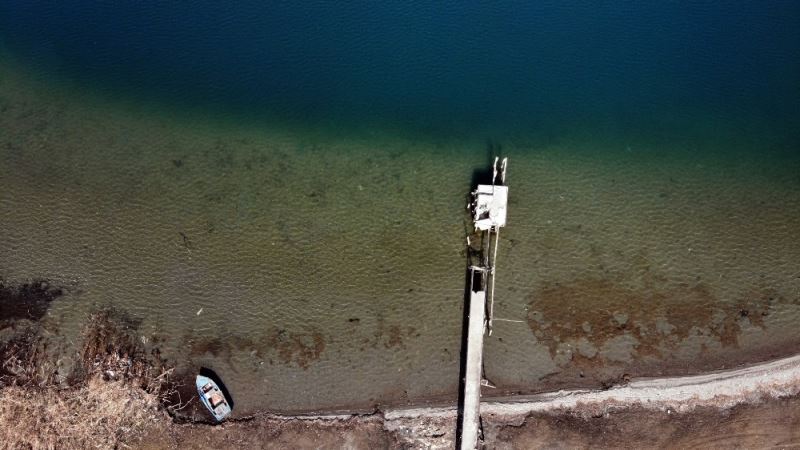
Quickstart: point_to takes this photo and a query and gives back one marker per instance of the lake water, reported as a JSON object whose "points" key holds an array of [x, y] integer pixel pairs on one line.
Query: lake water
{"points": [[277, 191]]}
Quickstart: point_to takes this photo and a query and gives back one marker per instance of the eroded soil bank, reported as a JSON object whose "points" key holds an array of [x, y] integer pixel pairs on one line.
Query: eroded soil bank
{"points": [[773, 423]]}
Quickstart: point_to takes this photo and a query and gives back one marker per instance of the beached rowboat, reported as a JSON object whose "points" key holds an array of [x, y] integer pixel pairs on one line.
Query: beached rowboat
{"points": [[213, 398]]}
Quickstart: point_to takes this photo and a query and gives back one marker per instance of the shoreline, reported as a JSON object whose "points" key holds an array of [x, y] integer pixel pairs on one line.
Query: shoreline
{"points": [[688, 409], [744, 398], [721, 389]]}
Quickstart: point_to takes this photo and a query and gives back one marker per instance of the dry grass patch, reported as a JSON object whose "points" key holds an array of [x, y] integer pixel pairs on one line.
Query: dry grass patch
{"points": [[98, 414], [115, 394]]}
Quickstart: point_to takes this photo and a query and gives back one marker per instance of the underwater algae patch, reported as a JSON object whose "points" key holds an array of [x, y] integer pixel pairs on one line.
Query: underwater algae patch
{"points": [[26, 301], [300, 348], [582, 317], [297, 347]]}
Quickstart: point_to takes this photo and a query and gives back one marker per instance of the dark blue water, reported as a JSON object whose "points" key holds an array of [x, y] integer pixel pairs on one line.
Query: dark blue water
{"points": [[608, 70]]}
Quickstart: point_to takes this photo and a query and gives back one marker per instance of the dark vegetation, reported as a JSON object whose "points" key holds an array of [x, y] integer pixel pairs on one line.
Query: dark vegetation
{"points": [[27, 301], [115, 389]]}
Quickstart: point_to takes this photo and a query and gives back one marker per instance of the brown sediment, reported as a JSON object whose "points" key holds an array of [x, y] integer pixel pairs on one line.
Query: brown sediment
{"points": [[755, 304], [297, 347], [396, 334], [213, 346], [301, 348], [390, 336], [395, 337], [658, 316]]}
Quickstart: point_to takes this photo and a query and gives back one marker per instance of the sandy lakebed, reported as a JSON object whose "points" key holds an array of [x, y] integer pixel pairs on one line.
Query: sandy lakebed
{"points": [[290, 261]]}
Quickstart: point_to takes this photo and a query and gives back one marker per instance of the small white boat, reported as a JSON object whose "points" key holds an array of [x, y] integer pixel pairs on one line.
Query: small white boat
{"points": [[213, 398]]}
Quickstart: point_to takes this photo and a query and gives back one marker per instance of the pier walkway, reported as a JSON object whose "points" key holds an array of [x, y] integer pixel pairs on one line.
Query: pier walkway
{"points": [[489, 215]]}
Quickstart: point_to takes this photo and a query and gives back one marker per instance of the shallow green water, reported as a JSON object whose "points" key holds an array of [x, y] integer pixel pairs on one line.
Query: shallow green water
{"points": [[312, 253], [334, 266]]}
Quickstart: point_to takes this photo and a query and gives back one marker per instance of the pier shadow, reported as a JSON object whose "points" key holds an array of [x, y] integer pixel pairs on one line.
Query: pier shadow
{"points": [[206, 372], [483, 174], [462, 370], [462, 367]]}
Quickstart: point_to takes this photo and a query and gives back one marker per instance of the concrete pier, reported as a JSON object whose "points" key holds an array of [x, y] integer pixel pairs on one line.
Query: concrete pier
{"points": [[470, 425], [489, 215]]}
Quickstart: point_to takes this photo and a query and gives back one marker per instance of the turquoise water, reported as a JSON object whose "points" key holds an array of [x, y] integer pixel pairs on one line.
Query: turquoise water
{"points": [[277, 191]]}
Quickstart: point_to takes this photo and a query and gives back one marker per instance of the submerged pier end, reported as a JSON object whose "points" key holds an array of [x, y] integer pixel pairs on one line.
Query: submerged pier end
{"points": [[488, 206]]}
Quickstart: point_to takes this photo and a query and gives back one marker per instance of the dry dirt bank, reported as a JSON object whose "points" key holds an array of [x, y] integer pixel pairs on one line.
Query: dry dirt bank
{"points": [[770, 423], [752, 407], [122, 417]]}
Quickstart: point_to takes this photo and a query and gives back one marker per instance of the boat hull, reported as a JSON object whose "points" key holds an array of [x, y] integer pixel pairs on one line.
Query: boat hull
{"points": [[212, 398]]}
